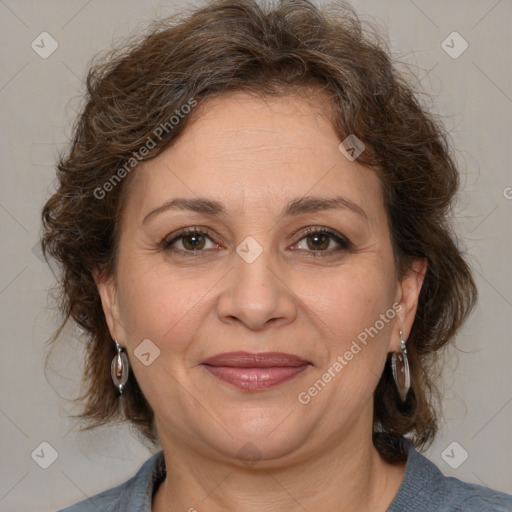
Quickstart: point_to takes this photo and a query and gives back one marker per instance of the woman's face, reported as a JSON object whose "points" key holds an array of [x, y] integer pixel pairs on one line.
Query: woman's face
{"points": [[255, 281]]}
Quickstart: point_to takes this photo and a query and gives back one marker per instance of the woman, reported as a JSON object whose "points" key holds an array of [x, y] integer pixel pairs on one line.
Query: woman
{"points": [[252, 226]]}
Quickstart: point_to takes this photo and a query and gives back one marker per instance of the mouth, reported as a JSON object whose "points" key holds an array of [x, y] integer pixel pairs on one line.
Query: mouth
{"points": [[255, 372]]}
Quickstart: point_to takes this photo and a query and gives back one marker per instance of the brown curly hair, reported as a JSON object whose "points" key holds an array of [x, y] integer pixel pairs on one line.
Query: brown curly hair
{"points": [[241, 45]]}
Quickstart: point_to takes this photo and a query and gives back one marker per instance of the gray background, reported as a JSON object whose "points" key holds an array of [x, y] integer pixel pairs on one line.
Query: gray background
{"points": [[473, 94]]}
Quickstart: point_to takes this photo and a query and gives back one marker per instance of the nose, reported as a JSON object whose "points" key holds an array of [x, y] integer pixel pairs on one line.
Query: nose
{"points": [[257, 293]]}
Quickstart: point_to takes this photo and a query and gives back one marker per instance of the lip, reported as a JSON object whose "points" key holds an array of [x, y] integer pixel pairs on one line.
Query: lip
{"points": [[254, 372], [250, 360]]}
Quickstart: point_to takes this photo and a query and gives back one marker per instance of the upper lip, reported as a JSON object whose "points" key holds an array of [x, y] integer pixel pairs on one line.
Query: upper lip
{"points": [[260, 360]]}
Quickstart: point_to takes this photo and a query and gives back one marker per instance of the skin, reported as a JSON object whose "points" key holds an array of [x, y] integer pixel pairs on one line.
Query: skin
{"points": [[254, 156]]}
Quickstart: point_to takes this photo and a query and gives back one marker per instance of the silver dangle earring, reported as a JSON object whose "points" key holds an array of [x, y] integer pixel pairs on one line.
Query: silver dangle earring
{"points": [[400, 367], [120, 369]]}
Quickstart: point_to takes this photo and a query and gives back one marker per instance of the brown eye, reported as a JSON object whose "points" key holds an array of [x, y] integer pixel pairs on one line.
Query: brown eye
{"points": [[321, 241], [318, 241], [192, 240]]}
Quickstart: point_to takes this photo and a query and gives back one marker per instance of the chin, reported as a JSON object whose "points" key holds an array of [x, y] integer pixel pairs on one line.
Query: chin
{"points": [[262, 441]]}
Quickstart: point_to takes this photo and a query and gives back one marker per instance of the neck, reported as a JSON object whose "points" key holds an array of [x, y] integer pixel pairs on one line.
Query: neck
{"points": [[347, 476]]}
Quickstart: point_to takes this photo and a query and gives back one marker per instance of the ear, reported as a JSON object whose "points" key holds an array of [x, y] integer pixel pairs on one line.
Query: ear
{"points": [[408, 293], [107, 289]]}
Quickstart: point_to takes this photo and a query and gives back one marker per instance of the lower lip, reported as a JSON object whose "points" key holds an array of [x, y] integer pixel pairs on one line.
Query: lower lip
{"points": [[255, 379]]}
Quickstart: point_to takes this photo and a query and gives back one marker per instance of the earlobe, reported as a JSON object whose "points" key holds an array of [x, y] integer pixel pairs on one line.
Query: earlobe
{"points": [[108, 294], [409, 292]]}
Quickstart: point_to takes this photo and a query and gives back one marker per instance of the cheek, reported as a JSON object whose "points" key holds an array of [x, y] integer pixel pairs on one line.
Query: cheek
{"points": [[356, 297], [152, 304], [162, 308], [359, 312]]}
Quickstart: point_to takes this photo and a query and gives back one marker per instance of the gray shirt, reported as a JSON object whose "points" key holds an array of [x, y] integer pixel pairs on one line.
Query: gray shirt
{"points": [[424, 489]]}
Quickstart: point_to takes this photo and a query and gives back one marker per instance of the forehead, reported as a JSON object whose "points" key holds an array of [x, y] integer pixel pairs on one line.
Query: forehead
{"points": [[248, 151]]}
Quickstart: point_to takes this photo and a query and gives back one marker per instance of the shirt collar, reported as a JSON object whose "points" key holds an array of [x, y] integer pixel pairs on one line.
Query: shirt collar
{"points": [[137, 494]]}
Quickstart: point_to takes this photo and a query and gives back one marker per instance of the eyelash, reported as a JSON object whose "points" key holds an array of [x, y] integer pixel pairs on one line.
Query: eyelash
{"points": [[341, 240]]}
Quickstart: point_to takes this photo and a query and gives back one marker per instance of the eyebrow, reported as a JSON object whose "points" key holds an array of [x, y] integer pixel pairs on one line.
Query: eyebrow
{"points": [[300, 205]]}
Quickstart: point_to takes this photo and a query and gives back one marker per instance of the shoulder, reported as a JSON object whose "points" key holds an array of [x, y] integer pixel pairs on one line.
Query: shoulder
{"points": [[425, 489], [134, 494], [465, 497]]}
